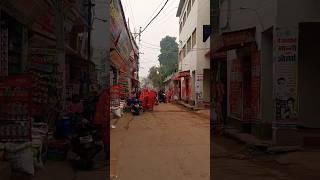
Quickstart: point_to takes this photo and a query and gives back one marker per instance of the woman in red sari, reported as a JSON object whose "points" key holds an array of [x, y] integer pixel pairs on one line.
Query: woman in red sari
{"points": [[151, 99], [144, 99]]}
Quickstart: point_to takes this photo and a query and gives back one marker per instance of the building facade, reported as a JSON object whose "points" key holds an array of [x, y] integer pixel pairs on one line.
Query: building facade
{"points": [[263, 54], [193, 67], [124, 55]]}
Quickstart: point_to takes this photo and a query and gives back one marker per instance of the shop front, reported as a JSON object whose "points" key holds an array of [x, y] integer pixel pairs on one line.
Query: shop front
{"points": [[30, 86], [239, 72], [183, 85]]}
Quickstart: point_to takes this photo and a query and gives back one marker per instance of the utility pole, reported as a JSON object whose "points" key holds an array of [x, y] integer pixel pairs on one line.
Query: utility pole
{"points": [[60, 46], [140, 34], [90, 5]]}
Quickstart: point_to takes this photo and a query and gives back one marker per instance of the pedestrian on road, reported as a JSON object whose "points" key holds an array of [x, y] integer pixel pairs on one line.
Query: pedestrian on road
{"points": [[144, 99]]}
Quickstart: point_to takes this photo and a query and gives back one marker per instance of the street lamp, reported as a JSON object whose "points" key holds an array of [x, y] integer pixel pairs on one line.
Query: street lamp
{"points": [[257, 13]]}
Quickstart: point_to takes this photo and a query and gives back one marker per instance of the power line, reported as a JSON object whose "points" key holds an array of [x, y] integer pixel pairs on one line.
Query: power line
{"points": [[156, 8], [154, 17], [165, 10], [130, 6], [159, 48], [167, 17]]}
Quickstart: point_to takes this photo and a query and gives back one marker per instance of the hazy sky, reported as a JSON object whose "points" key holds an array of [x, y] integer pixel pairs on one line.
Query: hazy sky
{"points": [[140, 12]]}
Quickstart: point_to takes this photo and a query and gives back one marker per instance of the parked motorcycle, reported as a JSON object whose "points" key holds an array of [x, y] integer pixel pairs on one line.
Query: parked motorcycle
{"points": [[162, 98], [84, 144], [136, 107]]}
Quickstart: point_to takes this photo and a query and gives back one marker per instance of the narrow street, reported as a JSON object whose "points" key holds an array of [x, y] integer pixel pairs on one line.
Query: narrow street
{"points": [[168, 143], [232, 160]]}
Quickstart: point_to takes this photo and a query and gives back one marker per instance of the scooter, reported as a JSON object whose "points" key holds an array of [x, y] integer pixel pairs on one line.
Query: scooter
{"points": [[162, 98], [136, 107]]}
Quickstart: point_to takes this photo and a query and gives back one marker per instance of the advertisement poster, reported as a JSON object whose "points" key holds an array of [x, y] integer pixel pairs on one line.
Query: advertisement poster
{"points": [[118, 29], [198, 89], [236, 88], [285, 75]]}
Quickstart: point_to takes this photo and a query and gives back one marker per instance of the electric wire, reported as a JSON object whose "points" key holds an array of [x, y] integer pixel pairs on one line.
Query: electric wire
{"points": [[154, 17]]}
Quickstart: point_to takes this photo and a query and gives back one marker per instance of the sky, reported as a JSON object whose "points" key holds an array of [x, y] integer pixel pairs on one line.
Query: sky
{"points": [[140, 12]]}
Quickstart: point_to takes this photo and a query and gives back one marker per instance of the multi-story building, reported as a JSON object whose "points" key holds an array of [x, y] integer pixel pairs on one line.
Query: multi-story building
{"points": [[124, 52], [265, 52], [194, 68]]}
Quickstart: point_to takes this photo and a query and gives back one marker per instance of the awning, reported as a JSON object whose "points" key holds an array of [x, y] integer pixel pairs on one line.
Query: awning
{"points": [[233, 40], [181, 74], [218, 55]]}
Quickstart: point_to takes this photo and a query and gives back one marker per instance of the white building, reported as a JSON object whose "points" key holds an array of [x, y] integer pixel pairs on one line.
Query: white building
{"points": [[270, 54], [193, 66]]}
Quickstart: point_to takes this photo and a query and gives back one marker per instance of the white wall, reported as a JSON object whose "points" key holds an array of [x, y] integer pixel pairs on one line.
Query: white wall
{"points": [[291, 12], [188, 62], [202, 47], [256, 14]]}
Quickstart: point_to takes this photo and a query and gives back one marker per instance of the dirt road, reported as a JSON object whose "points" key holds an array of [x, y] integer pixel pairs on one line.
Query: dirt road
{"points": [[168, 143], [173, 144]]}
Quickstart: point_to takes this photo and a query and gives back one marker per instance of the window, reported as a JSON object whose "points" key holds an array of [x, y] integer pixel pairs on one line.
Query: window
{"points": [[194, 37], [192, 2], [189, 45], [188, 8], [180, 27], [184, 18]]}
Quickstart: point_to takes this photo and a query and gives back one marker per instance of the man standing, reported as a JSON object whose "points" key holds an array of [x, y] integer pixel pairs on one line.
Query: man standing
{"points": [[102, 120]]}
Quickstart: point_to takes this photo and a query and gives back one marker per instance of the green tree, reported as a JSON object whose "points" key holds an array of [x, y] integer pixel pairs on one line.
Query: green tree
{"points": [[169, 56], [155, 76]]}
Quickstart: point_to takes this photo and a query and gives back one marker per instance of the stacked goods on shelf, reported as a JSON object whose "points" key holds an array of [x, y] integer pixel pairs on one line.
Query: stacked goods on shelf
{"points": [[115, 96], [15, 108], [124, 87], [46, 83], [3, 52]]}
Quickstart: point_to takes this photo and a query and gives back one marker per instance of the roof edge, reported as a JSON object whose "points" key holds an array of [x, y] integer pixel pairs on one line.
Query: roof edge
{"points": [[181, 3]]}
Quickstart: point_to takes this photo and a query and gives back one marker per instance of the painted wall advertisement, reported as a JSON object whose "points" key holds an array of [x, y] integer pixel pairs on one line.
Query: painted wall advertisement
{"points": [[236, 87], [199, 87], [118, 29], [285, 75]]}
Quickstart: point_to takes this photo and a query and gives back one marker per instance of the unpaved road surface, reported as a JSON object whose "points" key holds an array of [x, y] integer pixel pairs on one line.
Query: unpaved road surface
{"points": [[171, 143], [166, 144]]}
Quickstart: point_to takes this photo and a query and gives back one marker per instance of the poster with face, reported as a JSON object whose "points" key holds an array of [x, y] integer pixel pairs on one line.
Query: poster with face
{"points": [[285, 75]]}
